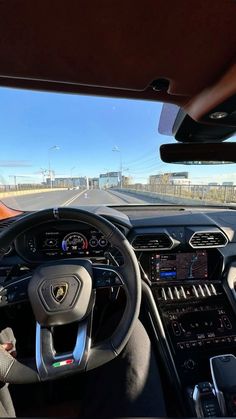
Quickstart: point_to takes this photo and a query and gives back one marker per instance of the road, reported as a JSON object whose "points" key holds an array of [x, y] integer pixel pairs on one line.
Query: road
{"points": [[65, 198]]}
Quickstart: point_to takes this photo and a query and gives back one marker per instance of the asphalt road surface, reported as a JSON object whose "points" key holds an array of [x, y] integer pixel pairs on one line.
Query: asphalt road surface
{"points": [[65, 198]]}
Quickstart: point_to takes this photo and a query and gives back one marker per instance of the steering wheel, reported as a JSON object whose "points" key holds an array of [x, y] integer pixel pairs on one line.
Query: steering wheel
{"points": [[64, 291]]}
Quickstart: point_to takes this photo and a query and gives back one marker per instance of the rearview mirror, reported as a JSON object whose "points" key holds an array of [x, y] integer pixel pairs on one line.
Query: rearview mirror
{"points": [[199, 153]]}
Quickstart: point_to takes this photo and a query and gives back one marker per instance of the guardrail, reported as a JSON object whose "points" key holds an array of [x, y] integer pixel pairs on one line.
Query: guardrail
{"points": [[201, 193], [13, 192], [25, 187]]}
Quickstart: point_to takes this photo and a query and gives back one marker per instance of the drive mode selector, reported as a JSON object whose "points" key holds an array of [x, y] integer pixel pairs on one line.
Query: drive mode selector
{"points": [[190, 364]]}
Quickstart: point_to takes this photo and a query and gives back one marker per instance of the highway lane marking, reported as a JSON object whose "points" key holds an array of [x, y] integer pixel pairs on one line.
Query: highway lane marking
{"points": [[69, 201]]}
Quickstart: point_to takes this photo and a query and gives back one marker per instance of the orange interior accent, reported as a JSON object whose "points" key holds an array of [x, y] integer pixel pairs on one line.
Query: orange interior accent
{"points": [[6, 212]]}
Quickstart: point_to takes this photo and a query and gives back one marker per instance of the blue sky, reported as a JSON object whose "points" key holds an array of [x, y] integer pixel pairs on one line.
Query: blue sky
{"points": [[86, 129]]}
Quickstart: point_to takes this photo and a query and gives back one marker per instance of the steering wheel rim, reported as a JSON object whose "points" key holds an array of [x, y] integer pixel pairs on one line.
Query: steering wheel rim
{"points": [[12, 370]]}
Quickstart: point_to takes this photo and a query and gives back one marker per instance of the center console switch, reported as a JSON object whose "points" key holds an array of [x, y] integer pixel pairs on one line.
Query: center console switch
{"points": [[223, 371]]}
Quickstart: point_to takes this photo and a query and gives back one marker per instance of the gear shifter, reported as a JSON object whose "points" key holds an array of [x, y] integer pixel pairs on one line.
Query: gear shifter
{"points": [[205, 401], [223, 371]]}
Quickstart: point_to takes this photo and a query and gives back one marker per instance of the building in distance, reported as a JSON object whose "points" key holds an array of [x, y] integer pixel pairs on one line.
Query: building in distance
{"points": [[109, 180], [79, 182], [171, 178]]}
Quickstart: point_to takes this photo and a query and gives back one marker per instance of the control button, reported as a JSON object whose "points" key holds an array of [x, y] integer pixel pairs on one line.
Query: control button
{"points": [[226, 322], [213, 289], [11, 297], [93, 242], [201, 290], [103, 242], [194, 345], [117, 281], [195, 291], [170, 293], [176, 328], [163, 294], [181, 345], [201, 336], [207, 290], [182, 292], [4, 299], [205, 387], [225, 358], [177, 293], [190, 364], [106, 278]]}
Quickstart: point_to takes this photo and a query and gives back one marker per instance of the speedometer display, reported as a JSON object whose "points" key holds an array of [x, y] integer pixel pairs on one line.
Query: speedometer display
{"points": [[63, 240], [74, 242]]}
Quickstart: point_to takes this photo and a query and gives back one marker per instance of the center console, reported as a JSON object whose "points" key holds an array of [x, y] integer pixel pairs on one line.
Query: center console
{"points": [[198, 322], [197, 317]]}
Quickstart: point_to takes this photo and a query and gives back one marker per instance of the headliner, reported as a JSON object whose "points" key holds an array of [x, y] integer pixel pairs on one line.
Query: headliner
{"points": [[118, 47]]}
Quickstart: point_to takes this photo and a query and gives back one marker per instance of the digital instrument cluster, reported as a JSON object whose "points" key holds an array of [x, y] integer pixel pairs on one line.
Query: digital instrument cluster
{"points": [[61, 240]]}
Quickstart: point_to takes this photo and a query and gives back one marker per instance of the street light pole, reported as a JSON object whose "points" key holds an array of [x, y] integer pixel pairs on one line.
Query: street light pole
{"points": [[117, 150], [71, 170], [54, 147]]}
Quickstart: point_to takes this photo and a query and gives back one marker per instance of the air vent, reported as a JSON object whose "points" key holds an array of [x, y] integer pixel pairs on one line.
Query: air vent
{"points": [[152, 242], [208, 239], [6, 223]]}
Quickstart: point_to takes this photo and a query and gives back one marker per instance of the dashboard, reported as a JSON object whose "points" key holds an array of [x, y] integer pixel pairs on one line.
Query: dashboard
{"points": [[184, 257]]}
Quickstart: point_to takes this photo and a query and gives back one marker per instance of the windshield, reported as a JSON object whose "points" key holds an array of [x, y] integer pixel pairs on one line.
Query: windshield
{"points": [[72, 150]]}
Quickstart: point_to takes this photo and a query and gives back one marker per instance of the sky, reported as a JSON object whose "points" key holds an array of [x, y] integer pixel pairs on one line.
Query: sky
{"points": [[86, 130]]}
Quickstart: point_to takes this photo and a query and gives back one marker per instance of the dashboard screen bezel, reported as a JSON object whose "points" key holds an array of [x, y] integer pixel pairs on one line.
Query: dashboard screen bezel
{"points": [[215, 264], [178, 259]]}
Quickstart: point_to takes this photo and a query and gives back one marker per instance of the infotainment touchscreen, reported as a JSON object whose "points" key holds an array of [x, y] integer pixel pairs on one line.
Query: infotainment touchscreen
{"points": [[179, 266]]}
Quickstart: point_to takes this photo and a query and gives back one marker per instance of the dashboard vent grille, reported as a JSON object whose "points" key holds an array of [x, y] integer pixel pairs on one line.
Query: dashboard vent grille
{"points": [[6, 223], [152, 242], [208, 239]]}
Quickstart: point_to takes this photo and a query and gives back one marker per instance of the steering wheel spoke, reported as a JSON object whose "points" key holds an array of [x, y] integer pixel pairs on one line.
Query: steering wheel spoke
{"points": [[106, 276], [50, 364], [14, 292]]}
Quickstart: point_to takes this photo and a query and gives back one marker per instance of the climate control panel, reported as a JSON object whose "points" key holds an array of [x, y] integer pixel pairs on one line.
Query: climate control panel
{"points": [[196, 315], [199, 322]]}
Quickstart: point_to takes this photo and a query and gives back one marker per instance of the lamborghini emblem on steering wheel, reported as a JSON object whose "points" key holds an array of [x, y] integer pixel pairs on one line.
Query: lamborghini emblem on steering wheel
{"points": [[59, 292]]}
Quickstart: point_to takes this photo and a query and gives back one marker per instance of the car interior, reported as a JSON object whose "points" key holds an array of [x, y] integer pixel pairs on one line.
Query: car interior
{"points": [[171, 267]]}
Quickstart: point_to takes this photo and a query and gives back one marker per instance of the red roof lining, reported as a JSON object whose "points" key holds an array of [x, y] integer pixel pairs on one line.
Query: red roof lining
{"points": [[213, 96], [61, 87], [123, 45]]}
